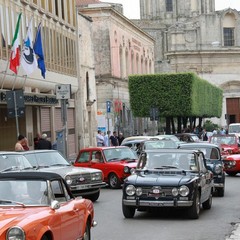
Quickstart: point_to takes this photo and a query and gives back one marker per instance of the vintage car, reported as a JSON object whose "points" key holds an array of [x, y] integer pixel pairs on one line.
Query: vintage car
{"points": [[138, 138], [214, 163], [232, 164], [228, 143], [174, 178], [82, 181], [116, 163], [40, 206]]}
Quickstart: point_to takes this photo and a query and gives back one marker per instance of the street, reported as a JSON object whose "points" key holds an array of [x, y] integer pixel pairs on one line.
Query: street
{"points": [[213, 224]]}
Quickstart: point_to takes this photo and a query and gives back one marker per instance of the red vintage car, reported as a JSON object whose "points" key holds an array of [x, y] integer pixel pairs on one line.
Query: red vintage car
{"points": [[40, 206], [232, 164], [229, 143], [116, 163]]}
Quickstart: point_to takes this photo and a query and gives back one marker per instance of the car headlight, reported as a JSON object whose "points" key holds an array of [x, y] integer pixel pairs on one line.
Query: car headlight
{"points": [[183, 191], [139, 191], [217, 169], [15, 233], [130, 190], [68, 180], [126, 169], [174, 192], [96, 176]]}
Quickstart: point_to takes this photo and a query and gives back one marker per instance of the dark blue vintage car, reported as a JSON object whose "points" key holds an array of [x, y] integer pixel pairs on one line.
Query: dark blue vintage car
{"points": [[168, 178], [214, 162]]}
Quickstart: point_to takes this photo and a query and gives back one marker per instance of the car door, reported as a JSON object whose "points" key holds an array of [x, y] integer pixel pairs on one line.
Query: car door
{"points": [[68, 212], [205, 178], [83, 159]]}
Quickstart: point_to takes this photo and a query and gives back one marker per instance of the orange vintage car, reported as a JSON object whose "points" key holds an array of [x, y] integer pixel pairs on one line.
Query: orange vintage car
{"points": [[40, 206]]}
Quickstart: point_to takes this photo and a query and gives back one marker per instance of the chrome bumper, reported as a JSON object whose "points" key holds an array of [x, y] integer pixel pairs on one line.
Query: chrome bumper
{"points": [[144, 203], [219, 185]]}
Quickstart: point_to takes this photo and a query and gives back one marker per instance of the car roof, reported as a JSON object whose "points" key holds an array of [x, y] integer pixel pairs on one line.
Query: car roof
{"points": [[30, 175], [172, 150], [103, 148]]}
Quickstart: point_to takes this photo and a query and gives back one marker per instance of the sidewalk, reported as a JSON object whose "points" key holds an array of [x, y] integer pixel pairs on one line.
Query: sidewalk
{"points": [[235, 234]]}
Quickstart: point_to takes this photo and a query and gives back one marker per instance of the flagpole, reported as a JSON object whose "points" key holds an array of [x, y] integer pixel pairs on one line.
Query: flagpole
{"points": [[14, 82]]}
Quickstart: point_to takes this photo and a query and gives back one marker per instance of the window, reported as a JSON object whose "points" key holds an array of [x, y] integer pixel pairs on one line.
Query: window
{"points": [[228, 34], [169, 6], [84, 157]]}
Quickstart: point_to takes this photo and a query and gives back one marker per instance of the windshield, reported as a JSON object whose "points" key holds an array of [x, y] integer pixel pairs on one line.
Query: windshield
{"points": [[118, 154], [229, 140], [13, 161], [184, 161], [27, 192], [234, 128], [46, 159], [160, 144]]}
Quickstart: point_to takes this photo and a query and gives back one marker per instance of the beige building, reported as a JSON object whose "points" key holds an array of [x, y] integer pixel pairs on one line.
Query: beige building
{"points": [[120, 49], [191, 36], [60, 35]]}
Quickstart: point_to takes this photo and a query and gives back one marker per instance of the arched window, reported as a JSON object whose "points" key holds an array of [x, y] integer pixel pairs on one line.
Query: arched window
{"points": [[229, 24]]}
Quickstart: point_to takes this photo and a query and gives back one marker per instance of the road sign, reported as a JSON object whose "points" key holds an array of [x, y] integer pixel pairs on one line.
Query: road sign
{"points": [[63, 91], [108, 105]]}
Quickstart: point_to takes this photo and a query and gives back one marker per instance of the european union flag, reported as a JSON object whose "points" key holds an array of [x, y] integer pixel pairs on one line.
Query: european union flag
{"points": [[39, 51]]}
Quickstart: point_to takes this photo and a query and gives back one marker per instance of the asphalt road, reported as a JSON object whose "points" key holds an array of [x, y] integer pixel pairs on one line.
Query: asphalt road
{"points": [[214, 224]]}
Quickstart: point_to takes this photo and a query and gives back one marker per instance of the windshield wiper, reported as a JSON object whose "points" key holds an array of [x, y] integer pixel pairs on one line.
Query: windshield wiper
{"points": [[113, 159], [2, 201], [59, 164], [10, 169]]}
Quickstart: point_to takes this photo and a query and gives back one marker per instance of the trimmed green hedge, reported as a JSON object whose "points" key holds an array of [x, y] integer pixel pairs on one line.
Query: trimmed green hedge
{"points": [[181, 94]]}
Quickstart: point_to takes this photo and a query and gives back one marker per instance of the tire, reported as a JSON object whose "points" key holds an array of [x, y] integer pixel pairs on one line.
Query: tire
{"points": [[194, 210], [208, 203], [114, 181], [232, 174], [44, 237], [94, 197], [220, 192], [87, 232], [128, 212]]}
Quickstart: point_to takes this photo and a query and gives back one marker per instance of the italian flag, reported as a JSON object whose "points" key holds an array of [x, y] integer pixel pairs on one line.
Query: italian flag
{"points": [[15, 51]]}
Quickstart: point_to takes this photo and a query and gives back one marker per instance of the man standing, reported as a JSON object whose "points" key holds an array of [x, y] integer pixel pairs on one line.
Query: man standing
{"points": [[100, 139], [114, 139], [43, 143], [120, 138]]}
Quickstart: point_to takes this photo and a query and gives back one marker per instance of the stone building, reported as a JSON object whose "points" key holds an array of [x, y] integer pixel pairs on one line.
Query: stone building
{"points": [[191, 36], [120, 49], [66, 63]]}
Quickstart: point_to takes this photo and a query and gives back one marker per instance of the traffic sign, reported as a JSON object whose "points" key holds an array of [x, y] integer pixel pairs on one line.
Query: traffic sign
{"points": [[63, 91]]}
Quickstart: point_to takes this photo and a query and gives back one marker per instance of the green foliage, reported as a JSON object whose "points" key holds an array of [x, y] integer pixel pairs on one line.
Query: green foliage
{"points": [[210, 126], [182, 94]]}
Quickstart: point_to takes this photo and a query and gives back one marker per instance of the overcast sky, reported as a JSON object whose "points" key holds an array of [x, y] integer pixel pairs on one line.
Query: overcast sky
{"points": [[131, 7]]}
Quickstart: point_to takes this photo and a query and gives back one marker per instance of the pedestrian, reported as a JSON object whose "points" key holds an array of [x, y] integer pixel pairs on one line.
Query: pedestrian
{"points": [[204, 135], [20, 142], [100, 139], [114, 139], [36, 140], [25, 144], [43, 143], [106, 139], [120, 138]]}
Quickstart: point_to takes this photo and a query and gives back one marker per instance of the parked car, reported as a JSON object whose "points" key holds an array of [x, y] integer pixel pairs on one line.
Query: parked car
{"points": [[214, 162], [82, 181], [116, 163], [188, 137], [168, 178], [232, 164], [36, 205], [228, 143]]}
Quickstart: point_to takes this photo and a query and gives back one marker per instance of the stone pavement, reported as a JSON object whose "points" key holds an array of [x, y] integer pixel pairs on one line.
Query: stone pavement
{"points": [[235, 234]]}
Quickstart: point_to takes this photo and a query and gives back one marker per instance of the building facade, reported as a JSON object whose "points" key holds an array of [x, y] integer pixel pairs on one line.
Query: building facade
{"points": [[120, 49], [62, 41], [191, 36]]}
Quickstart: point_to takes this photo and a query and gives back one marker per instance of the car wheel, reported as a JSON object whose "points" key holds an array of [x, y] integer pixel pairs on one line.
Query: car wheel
{"points": [[128, 212], [208, 203], [232, 173], [93, 197], [220, 192], [87, 233], [114, 181], [194, 210]]}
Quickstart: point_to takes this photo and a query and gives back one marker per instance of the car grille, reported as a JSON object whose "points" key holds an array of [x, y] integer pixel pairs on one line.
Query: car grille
{"points": [[81, 179], [151, 192]]}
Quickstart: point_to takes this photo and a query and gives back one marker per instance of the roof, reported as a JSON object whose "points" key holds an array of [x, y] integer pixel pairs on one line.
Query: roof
{"points": [[171, 150], [198, 144], [30, 175]]}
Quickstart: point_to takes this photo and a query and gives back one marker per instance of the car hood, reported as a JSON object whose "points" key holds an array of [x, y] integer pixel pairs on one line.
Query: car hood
{"points": [[19, 216], [68, 170], [170, 179]]}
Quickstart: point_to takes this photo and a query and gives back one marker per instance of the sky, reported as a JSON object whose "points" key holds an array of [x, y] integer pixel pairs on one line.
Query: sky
{"points": [[131, 7]]}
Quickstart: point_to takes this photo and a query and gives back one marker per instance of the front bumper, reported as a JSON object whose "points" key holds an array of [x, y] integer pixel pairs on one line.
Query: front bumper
{"points": [[79, 190], [145, 203]]}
